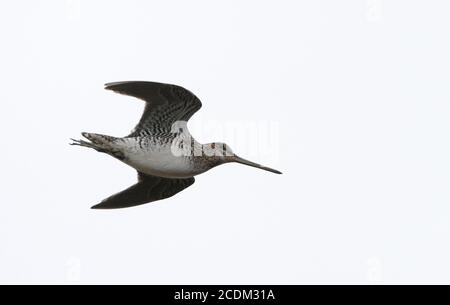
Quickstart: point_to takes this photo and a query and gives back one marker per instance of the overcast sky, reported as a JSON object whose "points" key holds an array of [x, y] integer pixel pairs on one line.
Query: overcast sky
{"points": [[349, 99]]}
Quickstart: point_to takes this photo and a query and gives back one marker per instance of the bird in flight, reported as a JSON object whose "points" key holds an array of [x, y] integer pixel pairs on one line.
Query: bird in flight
{"points": [[160, 147]]}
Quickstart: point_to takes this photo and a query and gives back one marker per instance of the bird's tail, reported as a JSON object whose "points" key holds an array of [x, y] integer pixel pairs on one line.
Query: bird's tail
{"points": [[101, 143]]}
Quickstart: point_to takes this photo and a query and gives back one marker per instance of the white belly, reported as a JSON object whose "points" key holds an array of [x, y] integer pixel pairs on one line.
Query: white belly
{"points": [[160, 162]]}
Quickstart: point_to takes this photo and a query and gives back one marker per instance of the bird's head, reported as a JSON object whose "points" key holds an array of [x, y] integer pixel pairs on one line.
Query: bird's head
{"points": [[222, 153]]}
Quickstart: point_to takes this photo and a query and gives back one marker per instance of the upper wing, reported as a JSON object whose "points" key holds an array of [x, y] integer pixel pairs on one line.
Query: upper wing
{"points": [[165, 105], [148, 189]]}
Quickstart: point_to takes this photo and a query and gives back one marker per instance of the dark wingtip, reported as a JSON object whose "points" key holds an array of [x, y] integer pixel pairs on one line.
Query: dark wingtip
{"points": [[98, 206], [111, 85], [108, 86], [106, 206]]}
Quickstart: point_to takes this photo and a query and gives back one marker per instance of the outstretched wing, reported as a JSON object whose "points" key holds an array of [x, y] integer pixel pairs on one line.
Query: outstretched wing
{"points": [[147, 189], [165, 105]]}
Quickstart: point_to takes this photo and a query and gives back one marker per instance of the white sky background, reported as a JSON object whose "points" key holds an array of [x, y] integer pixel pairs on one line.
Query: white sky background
{"points": [[359, 91]]}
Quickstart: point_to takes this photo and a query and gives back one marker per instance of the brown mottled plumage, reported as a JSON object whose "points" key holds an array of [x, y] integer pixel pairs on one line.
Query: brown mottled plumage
{"points": [[160, 147]]}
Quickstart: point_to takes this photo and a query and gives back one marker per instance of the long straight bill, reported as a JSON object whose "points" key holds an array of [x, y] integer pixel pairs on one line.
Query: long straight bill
{"points": [[253, 164]]}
